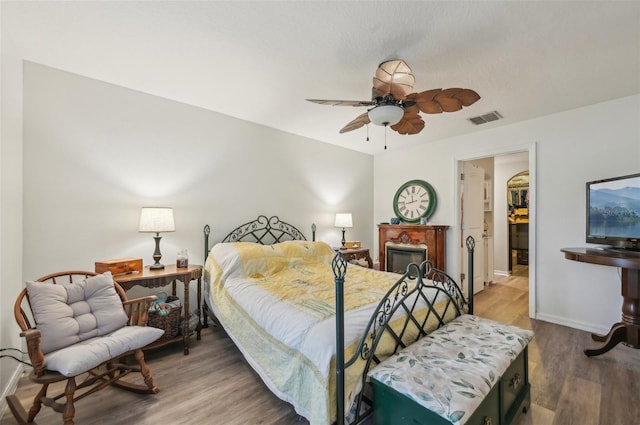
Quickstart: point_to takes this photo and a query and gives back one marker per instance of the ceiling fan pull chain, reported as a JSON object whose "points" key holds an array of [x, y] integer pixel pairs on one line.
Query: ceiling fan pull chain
{"points": [[385, 137], [367, 132]]}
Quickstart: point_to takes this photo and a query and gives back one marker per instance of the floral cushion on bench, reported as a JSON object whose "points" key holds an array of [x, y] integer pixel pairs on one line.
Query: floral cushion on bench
{"points": [[451, 370]]}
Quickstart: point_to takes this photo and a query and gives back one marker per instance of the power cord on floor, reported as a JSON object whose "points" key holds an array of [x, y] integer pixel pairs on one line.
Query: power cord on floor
{"points": [[13, 357]]}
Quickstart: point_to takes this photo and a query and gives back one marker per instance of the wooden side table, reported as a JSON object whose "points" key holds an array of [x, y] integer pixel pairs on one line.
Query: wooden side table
{"points": [[158, 278], [355, 254], [627, 331]]}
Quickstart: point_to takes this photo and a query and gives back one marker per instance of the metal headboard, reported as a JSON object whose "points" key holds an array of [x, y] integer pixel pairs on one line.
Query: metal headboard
{"points": [[263, 230]]}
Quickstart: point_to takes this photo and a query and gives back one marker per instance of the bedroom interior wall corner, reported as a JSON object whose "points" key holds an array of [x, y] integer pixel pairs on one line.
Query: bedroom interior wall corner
{"points": [[601, 140], [11, 223], [232, 170]]}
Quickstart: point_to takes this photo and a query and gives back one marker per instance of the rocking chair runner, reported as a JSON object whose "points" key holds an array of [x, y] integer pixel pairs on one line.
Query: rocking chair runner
{"points": [[84, 326]]}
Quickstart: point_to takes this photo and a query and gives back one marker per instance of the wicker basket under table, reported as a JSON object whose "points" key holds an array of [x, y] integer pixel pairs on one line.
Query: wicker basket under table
{"points": [[170, 323]]}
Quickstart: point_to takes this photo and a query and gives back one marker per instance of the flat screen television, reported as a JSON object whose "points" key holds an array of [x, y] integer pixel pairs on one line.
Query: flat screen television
{"points": [[613, 212]]}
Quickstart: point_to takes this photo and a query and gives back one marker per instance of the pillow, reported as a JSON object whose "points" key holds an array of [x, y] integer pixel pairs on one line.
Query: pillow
{"points": [[68, 313], [227, 258], [253, 260], [301, 253], [247, 259]]}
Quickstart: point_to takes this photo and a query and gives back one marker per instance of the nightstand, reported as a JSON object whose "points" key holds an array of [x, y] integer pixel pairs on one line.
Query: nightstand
{"points": [[158, 278], [352, 255]]}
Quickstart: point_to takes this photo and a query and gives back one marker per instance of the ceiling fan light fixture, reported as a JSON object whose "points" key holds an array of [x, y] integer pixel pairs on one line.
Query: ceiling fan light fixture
{"points": [[386, 114], [393, 105]]}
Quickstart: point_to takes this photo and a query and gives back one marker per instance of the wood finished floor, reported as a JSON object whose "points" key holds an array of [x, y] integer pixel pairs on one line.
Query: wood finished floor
{"points": [[213, 385]]}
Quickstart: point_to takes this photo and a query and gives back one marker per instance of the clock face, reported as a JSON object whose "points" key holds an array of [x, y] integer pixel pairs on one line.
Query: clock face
{"points": [[415, 199]]}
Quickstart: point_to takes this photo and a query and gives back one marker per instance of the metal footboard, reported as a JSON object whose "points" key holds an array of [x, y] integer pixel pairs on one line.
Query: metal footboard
{"points": [[405, 314]]}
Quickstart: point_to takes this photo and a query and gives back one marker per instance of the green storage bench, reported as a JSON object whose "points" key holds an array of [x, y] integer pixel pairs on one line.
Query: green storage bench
{"points": [[470, 371]]}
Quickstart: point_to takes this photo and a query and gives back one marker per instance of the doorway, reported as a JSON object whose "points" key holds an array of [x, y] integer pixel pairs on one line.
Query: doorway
{"points": [[518, 223], [500, 166]]}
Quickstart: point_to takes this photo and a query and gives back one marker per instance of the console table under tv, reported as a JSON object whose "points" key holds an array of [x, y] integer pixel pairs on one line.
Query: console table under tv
{"points": [[628, 330]]}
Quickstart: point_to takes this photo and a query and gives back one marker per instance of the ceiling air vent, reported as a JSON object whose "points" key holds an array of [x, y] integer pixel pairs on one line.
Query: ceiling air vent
{"points": [[491, 116]]}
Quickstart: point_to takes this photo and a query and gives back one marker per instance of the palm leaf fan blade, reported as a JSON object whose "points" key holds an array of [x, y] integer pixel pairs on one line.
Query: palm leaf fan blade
{"points": [[393, 77], [411, 123], [447, 100], [467, 97], [341, 102], [425, 101], [358, 122]]}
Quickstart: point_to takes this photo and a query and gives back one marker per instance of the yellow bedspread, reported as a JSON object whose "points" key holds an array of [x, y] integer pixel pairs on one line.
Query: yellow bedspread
{"points": [[277, 303]]}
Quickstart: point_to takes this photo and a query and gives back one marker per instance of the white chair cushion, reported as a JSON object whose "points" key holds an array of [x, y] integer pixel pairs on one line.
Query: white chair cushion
{"points": [[87, 354], [68, 313], [451, 370]]}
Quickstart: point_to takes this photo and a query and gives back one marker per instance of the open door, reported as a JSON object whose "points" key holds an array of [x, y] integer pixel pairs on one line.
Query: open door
{"points": [[507, 161], [472, 221]]}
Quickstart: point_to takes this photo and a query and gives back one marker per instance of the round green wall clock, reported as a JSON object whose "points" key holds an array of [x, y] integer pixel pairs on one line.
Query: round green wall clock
{"points": [[414, 200]]}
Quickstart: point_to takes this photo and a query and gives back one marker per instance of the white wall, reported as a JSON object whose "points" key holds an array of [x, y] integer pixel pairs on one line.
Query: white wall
{"points": [[10, 207], [573, 147], [94, 153]]}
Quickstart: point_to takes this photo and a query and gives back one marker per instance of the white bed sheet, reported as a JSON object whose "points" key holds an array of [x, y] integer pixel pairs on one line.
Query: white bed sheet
{"points": [[296, 348]]}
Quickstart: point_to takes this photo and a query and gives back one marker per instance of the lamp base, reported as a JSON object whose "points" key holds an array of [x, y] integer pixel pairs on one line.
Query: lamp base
{"points": [[157, 255], [156, 266]]}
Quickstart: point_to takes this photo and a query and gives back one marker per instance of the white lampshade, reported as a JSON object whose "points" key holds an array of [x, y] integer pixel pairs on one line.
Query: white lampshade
{"points": [[386, 114], [156, 220], [343, 220]]}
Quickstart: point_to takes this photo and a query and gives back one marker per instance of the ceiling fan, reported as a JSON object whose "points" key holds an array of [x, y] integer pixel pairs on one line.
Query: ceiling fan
{"points": [[393, 103]]}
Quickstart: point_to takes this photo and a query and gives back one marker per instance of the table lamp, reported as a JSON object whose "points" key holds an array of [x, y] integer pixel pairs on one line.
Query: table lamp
{"points": [[156, 220], [343, 220]]}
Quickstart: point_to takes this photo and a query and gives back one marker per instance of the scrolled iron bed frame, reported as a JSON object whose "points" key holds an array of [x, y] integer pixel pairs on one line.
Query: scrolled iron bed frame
{"points": [[419, 283], [262, 230]]}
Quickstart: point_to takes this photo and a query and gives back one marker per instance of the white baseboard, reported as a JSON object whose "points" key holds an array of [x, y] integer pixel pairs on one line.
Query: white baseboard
{"points": [[501, 273], [583, 326], [10, 388]]}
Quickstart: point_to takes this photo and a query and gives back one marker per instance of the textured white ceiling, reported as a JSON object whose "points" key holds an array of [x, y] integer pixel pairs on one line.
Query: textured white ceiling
{"points": [[258, 61]]}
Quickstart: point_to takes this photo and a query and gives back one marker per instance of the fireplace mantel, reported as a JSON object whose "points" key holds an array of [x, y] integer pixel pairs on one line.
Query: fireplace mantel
{"points": [[414, 234]]}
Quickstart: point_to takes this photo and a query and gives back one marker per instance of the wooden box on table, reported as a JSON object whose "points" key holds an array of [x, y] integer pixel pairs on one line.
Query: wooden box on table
{"points": [[119, 266]]}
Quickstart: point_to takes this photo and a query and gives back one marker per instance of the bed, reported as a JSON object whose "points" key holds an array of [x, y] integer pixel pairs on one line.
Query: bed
{"points": [[276, 295]]}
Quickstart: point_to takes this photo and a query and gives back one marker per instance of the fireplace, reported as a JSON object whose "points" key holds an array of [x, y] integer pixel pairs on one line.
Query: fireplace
{"points": [[399, 256], [430, 240]]}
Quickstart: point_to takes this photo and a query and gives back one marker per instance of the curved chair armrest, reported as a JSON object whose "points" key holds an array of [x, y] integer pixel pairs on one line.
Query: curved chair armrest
{"points": [[32, 337], [137, 310]]}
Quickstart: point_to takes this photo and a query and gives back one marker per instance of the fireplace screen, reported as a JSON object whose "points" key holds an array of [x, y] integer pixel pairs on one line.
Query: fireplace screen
{"points": [[400, 256]]}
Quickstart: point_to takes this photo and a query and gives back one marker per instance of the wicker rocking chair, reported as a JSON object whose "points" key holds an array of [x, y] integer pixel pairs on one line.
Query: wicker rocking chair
{"points": [[83, 327]]}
